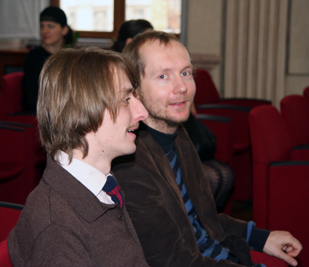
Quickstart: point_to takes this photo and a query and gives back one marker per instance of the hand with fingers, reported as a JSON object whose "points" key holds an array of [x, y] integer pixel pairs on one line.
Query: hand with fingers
{"points": [[284, 246]]}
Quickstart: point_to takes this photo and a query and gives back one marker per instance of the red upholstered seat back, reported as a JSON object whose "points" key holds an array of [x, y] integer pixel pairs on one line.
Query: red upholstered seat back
{"points": [[12, 91], [270, 141], [8, 218], [4, 255], [270, 138], [9, 214], [306, 93], [295, 112], [206, 91]]}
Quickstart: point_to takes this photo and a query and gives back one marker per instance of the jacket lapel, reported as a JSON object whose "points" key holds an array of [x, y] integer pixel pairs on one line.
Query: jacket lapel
{"points": [[77, 195], [161, 162]]}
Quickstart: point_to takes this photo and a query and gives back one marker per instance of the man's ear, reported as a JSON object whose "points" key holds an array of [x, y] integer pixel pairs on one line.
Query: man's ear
{"points": [[128, 40]]}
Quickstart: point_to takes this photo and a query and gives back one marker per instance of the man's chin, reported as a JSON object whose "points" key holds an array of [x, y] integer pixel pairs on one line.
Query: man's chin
{"points": [[174, 122]]}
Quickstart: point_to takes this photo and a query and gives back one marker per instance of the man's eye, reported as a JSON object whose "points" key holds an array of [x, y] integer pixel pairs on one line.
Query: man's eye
{"points": [[127, 100], [163, 76], [186, 73]]}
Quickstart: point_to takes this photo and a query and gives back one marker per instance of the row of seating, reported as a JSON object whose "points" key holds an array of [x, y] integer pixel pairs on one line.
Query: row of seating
{"points": [[233, 140], [280, 175], [22, 159], [279, 142]]}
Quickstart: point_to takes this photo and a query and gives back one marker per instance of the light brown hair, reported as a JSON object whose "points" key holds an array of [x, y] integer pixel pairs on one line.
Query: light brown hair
{"points": [[76, 86], [132, 50]]}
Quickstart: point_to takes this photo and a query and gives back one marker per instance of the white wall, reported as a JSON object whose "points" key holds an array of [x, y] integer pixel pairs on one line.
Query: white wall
{"points": [[18, 18], [206, 31]]}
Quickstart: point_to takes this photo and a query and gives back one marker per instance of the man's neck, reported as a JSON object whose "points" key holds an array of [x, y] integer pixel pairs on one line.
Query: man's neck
{"points": [[164, 140], [93, 160], [160, 125]]}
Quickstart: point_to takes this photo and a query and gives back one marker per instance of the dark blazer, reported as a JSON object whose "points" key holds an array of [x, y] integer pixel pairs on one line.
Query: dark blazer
{"points": [[64, 224], [156, 208]]}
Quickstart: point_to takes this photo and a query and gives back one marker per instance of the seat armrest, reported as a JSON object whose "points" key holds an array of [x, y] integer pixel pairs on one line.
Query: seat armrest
{"points": [[241, 140], [300, 153], [245, 102], [258, 257]]}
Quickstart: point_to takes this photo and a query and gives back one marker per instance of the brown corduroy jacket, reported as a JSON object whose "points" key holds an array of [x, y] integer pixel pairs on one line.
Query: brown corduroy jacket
{"points": [[64, 224], [156, 208]]}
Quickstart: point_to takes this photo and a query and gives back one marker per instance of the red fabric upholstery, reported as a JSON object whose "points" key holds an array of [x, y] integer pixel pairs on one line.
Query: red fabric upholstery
{"points": [[19, 170], [222, 129], [3, 108], [4, 255], [241, 149], [9, 214], [258, 257], [295, 112], [23, 120], [306, 93], [12, 91], [207, 93], [208, 101], [280, 185]]}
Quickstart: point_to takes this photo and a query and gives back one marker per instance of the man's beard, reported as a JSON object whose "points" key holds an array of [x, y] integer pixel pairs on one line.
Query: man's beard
{"points": [[158, 116], [170, 122]]}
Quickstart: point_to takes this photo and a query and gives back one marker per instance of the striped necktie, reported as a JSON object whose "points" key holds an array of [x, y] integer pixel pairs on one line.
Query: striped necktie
{"points": [[112, 188]]}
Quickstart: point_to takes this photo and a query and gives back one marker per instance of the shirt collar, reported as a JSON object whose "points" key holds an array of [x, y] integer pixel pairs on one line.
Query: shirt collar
{"points": [[90, 177]]}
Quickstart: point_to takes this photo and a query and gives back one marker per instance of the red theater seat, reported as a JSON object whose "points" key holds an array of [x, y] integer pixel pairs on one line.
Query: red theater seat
{"points": [[12, 91], [295, 112], [280, 177]]}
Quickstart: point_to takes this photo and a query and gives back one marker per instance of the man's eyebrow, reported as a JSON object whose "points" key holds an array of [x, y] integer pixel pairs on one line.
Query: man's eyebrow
{"points": [[190, 66], [127, 91]]}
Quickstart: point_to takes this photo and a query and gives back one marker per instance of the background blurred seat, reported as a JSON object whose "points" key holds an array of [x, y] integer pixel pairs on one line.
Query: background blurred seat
{"points": [[306, 93], [241, 160], [280, 177], [4, 255], [258, 257], [20, 166], [12, 91], [295, 112], [207, 93], [208, 101], [222, 129], [9, 214]]}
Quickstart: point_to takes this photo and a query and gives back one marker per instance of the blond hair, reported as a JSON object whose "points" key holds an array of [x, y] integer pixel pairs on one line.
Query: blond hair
{"points": [[76, 86]]}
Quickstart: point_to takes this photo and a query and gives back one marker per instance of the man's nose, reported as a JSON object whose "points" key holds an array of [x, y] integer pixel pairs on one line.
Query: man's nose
{"points": [[140, 112], [180, 85]]}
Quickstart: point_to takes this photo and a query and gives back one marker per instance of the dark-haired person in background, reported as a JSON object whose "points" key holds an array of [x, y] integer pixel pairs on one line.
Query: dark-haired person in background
{"points": [[55, 33], [128, 30]]}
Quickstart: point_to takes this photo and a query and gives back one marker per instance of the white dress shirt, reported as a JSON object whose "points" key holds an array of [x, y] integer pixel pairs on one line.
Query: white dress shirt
{"points": [[90, 177]]}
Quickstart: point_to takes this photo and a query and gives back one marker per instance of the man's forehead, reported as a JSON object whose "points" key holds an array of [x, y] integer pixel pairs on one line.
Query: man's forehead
{"points": [[154, 49], [151, 44]]}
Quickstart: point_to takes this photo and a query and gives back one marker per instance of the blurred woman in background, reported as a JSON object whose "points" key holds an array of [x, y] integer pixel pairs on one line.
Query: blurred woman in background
{"points": [[55, 33]]}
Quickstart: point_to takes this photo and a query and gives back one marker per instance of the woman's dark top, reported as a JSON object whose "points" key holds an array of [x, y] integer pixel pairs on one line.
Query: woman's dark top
{"points": [[33, 65]]}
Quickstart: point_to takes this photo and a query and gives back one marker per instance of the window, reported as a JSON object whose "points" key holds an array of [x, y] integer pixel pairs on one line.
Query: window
{"points": [[165, 15], [102, 18]]}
